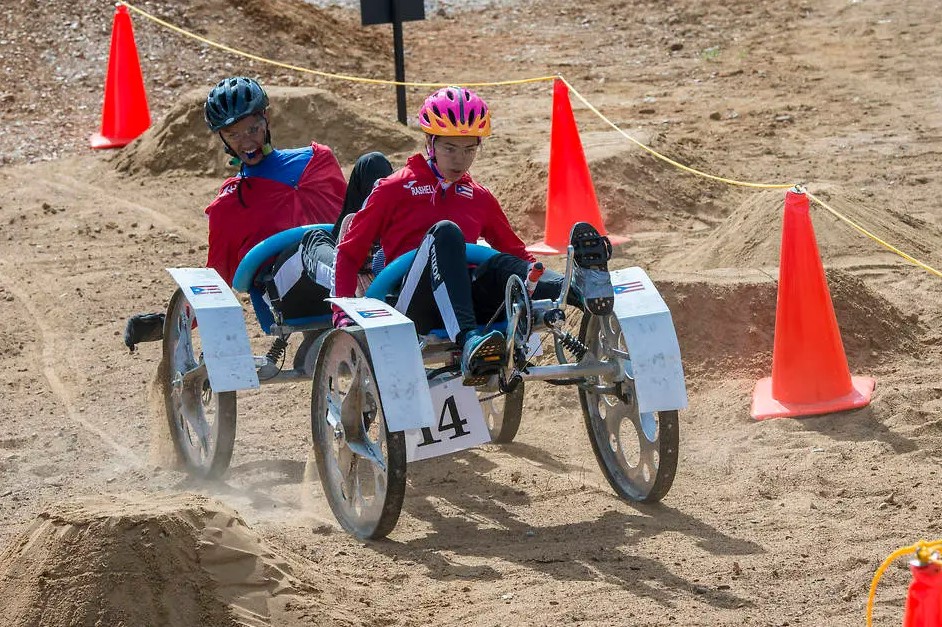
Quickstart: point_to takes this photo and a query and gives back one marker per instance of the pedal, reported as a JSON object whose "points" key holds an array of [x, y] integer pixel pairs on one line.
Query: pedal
{"points": [[485, 361]]}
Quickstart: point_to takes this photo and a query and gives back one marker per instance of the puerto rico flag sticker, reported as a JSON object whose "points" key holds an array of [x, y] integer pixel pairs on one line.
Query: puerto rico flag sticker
{"points": [[464, 190], [631, 286], [199, 290]]}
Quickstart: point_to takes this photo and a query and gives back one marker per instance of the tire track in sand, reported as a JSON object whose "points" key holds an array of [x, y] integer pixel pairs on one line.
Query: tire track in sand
{"points": [[50, 356], [68, 185]]}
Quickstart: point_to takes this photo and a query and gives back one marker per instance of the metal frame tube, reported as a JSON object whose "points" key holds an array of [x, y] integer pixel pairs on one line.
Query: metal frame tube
{"points": [[569, 371]]}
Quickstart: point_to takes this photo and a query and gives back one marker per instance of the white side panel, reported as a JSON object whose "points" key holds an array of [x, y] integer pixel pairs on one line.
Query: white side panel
{"points": [[225, 341], [397, 361], [652, 342]]}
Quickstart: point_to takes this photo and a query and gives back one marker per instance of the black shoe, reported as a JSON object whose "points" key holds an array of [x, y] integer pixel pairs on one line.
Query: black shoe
{"points": [[591, 252]]}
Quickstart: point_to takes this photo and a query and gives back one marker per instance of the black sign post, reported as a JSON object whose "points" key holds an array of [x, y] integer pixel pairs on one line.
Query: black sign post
{"points": [[397, 12]]}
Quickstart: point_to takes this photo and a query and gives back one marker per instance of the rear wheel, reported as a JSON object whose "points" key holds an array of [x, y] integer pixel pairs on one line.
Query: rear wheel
{"points": [[636, 451], [502, 412], [202, 422], [362, 465]]}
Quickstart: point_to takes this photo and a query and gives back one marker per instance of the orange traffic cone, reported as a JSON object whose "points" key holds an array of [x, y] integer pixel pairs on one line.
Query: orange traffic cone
{"points": [[124, 115], [570, 196], [809, 367]]}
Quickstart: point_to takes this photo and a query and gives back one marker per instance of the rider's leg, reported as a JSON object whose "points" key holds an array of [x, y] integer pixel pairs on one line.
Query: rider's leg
{"points": [[301, 276], [317, 255], [439, 275], [438, 280], [490, 281], [368, 169]]}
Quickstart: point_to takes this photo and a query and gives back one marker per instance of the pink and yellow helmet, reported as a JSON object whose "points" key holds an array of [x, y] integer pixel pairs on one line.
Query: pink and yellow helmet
{"points": [[455, 112]]}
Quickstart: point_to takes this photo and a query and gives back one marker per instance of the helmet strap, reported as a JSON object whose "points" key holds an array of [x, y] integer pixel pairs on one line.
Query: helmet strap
{"points": [[435, 170], [266, 147]]}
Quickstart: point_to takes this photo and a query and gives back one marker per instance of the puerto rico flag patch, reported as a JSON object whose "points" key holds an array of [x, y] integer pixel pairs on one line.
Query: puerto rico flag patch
{"points": [[631, 286], [464, 190], [199, 290]]}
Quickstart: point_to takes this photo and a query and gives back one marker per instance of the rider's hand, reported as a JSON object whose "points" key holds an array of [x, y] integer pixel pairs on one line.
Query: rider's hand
{"points": [[340, 319]]}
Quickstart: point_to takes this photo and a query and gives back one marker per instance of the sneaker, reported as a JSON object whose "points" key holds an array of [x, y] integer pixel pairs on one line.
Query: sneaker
{"points": [[481, 357], [591, 252]]}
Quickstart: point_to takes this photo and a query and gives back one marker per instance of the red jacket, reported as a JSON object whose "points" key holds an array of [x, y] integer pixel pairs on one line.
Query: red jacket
{"points": [[271, 207], [405, 205]]}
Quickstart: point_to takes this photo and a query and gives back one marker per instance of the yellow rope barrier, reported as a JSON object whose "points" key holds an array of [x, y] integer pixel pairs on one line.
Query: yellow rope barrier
{"points": [[537, 79], [288, 66], [886, 245], [658, 155], [811, 196], [924, 553]]}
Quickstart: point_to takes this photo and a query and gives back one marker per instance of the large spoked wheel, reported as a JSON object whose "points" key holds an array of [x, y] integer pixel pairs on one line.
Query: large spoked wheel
{"points": [[202, 423], [636, 451], [502, 412], [361, 464]]}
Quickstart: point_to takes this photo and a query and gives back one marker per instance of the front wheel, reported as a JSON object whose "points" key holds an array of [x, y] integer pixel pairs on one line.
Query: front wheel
{"points": [[202, 422], [361, 464], [636, 451]]}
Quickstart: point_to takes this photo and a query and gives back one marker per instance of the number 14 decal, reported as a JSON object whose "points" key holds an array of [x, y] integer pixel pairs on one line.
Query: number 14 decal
{"points": [[457, 423]]}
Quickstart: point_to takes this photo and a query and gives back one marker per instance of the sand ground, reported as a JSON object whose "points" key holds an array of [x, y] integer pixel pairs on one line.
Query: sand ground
{"points": [[768, 523]]}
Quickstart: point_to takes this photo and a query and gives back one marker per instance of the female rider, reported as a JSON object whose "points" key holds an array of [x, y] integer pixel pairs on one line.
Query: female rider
{"points": [[433, 205]]}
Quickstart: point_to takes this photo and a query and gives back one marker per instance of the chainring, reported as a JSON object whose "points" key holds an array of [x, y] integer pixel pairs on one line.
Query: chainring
{"points": [[519, 319]]}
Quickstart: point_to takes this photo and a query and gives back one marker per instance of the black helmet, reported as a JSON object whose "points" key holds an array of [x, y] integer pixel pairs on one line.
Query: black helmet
{"points": [[233, 99]]}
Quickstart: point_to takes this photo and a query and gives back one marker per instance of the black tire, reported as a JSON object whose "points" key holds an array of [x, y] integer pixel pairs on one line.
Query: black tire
{"points": [[191, 406], [646, 476], [502, 413], [361, 464]]}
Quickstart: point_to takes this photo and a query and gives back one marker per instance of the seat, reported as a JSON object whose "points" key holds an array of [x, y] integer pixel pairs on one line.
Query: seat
{"points": [[258, 260], [388, 280]]}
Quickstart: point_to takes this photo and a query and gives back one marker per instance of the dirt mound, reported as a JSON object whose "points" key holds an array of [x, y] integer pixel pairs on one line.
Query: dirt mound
{"points": [[180, 560], [636, 192], [58, 57], [334, 36], [298, 114], [725, 321], [751, 236]]}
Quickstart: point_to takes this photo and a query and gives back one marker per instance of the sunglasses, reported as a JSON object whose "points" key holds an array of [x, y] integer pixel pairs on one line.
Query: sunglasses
{"points": [[249, 133]]}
